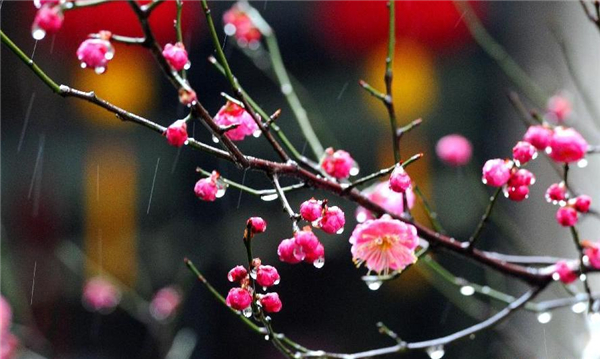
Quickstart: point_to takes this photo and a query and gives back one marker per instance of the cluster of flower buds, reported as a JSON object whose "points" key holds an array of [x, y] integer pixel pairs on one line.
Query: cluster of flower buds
{"points": [[48, 19], [240, 298], [304, 246], [504, 173], [237, 23], [241, 122], [330, 219], [562, 144], [454, 150], [565, 271], [95, 52], [210, 188], [339, 164], [165, 303], [176, 56], [176, 133], [100, 295], [399, 180], [567, 214]]}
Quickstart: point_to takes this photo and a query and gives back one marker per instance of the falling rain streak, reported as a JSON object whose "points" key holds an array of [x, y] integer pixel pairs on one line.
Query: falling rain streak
{"points": [[343, 90], [153, 183], [27, 115], [35, 186], [33, 282], [240, 196]]}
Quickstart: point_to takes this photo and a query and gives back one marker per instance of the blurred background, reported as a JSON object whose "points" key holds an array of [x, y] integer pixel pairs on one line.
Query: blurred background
{"points": [[84, 194]]}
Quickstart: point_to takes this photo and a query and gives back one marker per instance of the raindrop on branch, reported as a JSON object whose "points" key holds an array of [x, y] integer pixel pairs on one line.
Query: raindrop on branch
{"points": [[436, 352]]}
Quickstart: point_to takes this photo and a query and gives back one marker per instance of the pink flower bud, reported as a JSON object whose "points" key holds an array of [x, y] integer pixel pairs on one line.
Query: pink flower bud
{"points": [[238, 299], [496, 172], [318, 254], [176, 56], [592, 251], [521, 177], [208, 189], [164, 303], [237, 274], [564, 272], [582, 203], [517, 193], [338, 164], [238, 24], [333, 220], [399, 180], [306, 240], [48, 20], [289, 252], [524, 152], [187, 97], [538, 136], [567, 145], [311, 210], [559, 108], [257, 224], [100, 295], [39, 3], [267, 276], [566, 216], [232, 114], [95, 54], [556, 192], [177, 133], [271, 303], [454, 150]]}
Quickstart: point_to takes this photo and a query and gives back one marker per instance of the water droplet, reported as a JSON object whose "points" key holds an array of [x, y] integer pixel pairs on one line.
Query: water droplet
{"points": [[319, 263], [544, 317], [556, 276], [277, 281], [297, 355], [264, 289], [221, 191], [467, 290], [186, 142], [286, 89], [229, 29], [247, 312], [484, 181], [110, 53], [354, 170], [374, 285], [267, 337], [579, 307], [38, 33], [254, 45], [269, 197], [187, 65], [83, 65], [583, 277], [340, 231], [595, 318], [100, 70], [256, 133], [582, 163], [215, 139], [253, 273], [436, 352], [361, 217], [472, 336], [37, 3]]}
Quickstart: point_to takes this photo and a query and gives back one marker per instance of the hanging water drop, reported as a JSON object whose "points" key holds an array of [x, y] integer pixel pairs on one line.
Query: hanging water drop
{"points": [[221, 191], [579, 307], [253, 273], [319, 263], [354, 170], [269, 197], [544, 317], [582, 163], [257, 133], [436, 352], [187, 65], [247, 312], [100, 70], [264, 289], [38, 33], [467, 290], [83, 65], [267, 337], [374, 285], [215, 139], [340, 231], [277, 281], [361, 217]]}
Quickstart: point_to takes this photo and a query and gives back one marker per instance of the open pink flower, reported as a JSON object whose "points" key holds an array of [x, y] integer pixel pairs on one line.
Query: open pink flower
{"points": [[384, 244], [382, 195], [454, 150], [164, 303], [176, 56], [338, 164], [567, 145], [100, 295], [232, 114]]}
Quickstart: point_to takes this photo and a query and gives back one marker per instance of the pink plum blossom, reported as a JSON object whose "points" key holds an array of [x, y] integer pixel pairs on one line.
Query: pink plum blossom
{"points": [[496, 172], [567, 145], [187, 97], [384, 244], [208, 189], [338, 164], [164, 303], [238, 298], [233, 114], [306, 240], [176, 133], [316, 256], [176, 56], [592, 251], [524, 152], [399, 180], [557, 192], [100, 295], [517, 193], [582, 203], [333, 220], [539, 136], [311, 210], [270, 302], [48, 20], [521, 177], [237, 274], [454, 150], [96, 53], [257, 225], [289, 252], [5, 315], [564, 272], [382, 195], [566, 216], [267, 276], [238, 24]]}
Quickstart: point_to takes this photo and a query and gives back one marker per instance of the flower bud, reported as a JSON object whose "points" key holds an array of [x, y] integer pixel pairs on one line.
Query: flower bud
{"points": [[177, 133], [338, 164], [311, 210], [238, 299], [557, 192], [564, 272], [257, 224], [539, 136], [566, 216], [237, 274], [333, 220], [48, 20], [267, 276], [270, 302], [454, 150], [567, 145], [496, 172], [176, 56], [524, 152], [399, 180]]}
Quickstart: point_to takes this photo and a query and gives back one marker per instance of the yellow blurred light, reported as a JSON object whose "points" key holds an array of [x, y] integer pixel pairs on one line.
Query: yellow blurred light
{"points": [[129, 82], [414, 86]]}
